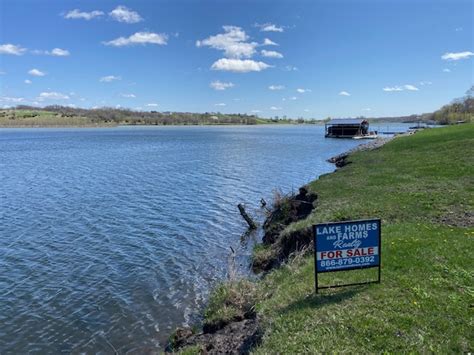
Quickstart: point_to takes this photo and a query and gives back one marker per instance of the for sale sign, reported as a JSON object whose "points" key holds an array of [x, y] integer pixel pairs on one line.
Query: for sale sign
{"points": [[347, 245]]}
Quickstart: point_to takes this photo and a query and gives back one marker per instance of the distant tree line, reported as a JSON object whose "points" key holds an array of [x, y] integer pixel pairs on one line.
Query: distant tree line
{"points": [[122, 116], [459, 111], [111, 115]]}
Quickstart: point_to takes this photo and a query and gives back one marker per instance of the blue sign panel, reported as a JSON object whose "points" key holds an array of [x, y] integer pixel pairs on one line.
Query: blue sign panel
{"points": [[347, 245]]}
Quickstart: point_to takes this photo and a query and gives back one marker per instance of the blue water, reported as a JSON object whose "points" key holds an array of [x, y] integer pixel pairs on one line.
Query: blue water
{"points": [[110, 238]]}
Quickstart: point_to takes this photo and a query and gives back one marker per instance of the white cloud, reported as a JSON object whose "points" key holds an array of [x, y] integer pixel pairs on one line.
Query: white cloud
{"points": [[58, 52], [139, 38], [239, 65], [275, 108], [11, 49], [293, 98], [220, 86], [306, 110], [271, 54], [423, 83], [344, 93], [2, 72], [233, 42], [52, 95], [151, 105], [457, 55], [446, 70], [276, 87], [12, 99], [269, 42], [124, 14], [27, 81], [270, 27], [220, 104], [302, 91], [36, 72], [128, 96], [78, 14], [255, 111], [290, 68], [109, 78], [392, 88], [408, 87], [368, 109]]}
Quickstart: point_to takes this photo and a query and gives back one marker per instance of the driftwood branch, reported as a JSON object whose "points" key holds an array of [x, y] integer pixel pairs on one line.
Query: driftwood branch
{"points": [[245, 216]]}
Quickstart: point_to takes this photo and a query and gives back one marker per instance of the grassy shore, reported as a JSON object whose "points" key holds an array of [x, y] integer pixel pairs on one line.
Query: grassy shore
{"points": [[422, 186]]}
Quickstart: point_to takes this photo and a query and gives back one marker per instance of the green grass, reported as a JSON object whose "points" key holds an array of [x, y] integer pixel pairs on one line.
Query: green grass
{"points": [[229, 302], [29, 118], [190, 350], [424, 302], [422, 188]]}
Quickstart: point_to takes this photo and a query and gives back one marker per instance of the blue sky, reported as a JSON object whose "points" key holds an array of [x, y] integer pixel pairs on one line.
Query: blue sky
{"points": [[309, 59]]}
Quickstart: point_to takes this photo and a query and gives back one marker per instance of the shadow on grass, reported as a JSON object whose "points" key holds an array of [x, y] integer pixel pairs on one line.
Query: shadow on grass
{"points": [[325, 297]]}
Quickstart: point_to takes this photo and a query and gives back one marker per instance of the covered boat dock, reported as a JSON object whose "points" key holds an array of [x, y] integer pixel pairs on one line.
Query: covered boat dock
{"points": [[346, 128]]}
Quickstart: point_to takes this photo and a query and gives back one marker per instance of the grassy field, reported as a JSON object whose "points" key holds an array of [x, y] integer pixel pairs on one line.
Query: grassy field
{"points": [[29, 118], [422, 186]]}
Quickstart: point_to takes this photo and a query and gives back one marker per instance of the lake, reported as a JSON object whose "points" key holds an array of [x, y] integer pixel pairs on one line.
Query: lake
{"points": [[112, 237]]}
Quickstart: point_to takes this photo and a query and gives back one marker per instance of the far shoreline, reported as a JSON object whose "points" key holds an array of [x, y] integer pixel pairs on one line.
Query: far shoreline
{"points": [[170, 125], [272, 124]]}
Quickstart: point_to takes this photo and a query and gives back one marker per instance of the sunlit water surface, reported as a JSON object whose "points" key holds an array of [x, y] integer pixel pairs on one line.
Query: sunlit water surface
{"points": [[110, 238]]}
